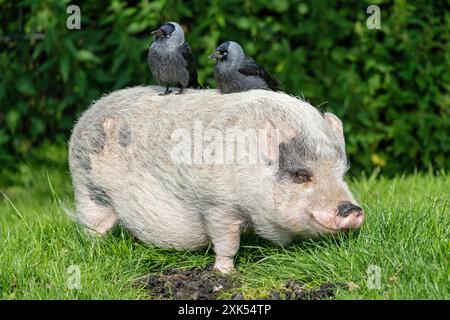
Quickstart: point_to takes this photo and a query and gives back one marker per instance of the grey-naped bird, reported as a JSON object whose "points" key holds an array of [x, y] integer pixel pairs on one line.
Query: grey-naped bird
{"points": [[235, 72], [170, 59]]}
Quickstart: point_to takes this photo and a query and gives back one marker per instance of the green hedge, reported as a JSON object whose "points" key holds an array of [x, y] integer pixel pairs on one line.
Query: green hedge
{"points": [[390, 86]]}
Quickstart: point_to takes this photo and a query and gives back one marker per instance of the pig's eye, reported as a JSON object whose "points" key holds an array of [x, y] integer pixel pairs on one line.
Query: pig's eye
{"points": [[301, 177]]}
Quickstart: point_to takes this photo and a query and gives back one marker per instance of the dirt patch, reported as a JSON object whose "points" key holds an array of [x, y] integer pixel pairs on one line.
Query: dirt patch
{"points": [[192, 284], [205, 284], [295, 290]]}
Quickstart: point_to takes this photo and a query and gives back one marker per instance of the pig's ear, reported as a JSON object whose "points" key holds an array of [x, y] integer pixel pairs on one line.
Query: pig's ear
{"points": [[270, 137], [335, 126]]}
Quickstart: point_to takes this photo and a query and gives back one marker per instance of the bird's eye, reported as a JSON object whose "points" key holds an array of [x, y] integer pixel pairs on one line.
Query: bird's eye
{"points": [[224, 53], [301, 176]]}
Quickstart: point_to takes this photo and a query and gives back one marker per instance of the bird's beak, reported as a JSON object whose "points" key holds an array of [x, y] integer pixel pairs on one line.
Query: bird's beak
{"points": [[216, 55], [158, 33]]}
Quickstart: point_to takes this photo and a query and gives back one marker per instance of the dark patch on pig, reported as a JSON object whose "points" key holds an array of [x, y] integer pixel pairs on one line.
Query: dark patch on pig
{"points": [[98, 195], [92, 140], [98, 138], [83, 158], [124, 136], [190, 284], [292, 154]]}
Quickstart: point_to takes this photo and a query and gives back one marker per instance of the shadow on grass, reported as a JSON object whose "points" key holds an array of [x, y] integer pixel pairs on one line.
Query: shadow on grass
{"points": [[154, 260], [255, 248]]}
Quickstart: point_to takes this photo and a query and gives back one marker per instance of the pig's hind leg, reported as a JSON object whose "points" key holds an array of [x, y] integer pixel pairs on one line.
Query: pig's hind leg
{"points": [[224, 232], [94, 210]]}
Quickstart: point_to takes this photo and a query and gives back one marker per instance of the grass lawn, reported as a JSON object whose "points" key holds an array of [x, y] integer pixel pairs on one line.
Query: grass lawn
{"points": [[405, 237]]}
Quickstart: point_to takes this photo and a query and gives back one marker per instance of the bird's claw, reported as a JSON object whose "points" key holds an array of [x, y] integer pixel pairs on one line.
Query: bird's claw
{"points": [[165, 93]]}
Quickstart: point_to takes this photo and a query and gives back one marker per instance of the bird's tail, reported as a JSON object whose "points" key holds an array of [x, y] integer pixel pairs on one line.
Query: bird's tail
{"points": [[193, 81]]}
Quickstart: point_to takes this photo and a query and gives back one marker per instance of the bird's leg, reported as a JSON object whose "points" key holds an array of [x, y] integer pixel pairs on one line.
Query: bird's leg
{"points": [[181, 89], [166, 92]]}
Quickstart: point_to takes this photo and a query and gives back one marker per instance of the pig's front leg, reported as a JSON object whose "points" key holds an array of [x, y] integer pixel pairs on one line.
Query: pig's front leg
{"points": [[225, 233]]}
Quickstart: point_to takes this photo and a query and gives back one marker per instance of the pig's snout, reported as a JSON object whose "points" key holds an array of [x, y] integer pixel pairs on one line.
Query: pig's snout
{"points": [[349, 216], [346, 207]]}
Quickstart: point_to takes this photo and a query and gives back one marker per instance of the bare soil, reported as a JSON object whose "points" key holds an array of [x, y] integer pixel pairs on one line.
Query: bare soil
{"points": [[191, 284], [205, 284]]}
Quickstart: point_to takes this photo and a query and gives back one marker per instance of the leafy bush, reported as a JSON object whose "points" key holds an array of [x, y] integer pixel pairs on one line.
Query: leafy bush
{"points": [[390, 86]]}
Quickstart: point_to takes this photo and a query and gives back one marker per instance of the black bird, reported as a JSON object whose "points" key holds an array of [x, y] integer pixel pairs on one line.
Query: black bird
{"points": [[170, 58], [235, 72]]}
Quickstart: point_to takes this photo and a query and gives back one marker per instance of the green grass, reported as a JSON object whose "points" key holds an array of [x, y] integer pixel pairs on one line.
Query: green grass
{"points": [[406, 234]]}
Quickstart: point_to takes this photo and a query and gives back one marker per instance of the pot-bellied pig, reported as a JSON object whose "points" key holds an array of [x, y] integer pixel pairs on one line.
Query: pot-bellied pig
{"points": [[185, 171]]}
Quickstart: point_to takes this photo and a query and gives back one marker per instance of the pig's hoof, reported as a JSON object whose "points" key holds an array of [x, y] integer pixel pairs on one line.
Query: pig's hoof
{"points": [[224, 267], [224, 270]]}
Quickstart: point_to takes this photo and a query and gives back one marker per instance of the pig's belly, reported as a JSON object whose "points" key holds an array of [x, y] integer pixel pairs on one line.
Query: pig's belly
{"points": [[157, 218]]}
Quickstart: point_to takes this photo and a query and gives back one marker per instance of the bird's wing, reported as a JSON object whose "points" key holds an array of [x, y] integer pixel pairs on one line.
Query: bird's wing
{"points": [[250, 68], [186, 51]]}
